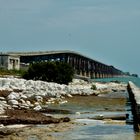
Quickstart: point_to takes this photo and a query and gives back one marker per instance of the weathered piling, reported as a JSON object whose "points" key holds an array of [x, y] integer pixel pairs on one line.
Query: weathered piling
{"points": [[134, 96]]}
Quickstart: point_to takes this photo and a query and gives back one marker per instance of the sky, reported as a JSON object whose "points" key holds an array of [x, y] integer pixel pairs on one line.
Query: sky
{"points": [[104, 30]]}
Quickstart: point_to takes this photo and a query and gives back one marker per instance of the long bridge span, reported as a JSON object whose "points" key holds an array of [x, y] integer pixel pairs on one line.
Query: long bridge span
{"points": [[83, 65]]}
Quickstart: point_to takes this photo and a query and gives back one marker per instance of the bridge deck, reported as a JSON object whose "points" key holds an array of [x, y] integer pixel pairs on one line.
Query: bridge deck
{"points": [[49, 53]]}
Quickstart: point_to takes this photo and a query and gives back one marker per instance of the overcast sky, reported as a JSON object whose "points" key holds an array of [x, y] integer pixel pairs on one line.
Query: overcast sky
{"points": [[106, 30]]}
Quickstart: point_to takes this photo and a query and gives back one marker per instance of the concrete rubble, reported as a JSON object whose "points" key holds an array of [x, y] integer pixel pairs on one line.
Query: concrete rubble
{"points": [[134, 96]]}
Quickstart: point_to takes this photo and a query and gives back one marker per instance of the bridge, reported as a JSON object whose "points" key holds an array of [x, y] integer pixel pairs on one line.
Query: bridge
{"points": [[83, 65]]}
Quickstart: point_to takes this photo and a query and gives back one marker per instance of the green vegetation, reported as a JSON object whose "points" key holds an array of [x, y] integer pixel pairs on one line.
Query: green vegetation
{"points": [[93, 87], [11, 72], [58, 72]]}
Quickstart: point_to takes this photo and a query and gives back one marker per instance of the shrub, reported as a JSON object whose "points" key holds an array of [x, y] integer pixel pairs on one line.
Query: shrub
{"points": [[58, 72], [93, 87], [11, 72]]}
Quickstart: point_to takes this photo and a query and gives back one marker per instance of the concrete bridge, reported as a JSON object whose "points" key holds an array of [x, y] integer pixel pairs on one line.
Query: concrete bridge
{"points": [[134, 97], [83, 66]]}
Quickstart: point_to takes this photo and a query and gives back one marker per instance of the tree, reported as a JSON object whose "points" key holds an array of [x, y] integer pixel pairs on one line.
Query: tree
{"points": [[58, 72]]}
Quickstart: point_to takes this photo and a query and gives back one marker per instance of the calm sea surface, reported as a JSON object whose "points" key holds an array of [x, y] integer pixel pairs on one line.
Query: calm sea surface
{"points": [[135, 80]]}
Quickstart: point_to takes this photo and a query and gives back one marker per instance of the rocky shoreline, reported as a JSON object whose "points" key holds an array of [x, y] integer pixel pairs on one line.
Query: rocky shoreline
{"points": [[29, 94], [22, 101]]}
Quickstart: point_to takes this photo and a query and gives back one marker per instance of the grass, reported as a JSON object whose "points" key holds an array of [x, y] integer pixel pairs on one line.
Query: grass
{"points": [[11, 72]]}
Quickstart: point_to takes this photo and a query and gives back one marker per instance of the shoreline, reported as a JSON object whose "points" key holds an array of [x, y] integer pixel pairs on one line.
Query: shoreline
{"points": [[29, 94], [39, 131], [33, 95]]}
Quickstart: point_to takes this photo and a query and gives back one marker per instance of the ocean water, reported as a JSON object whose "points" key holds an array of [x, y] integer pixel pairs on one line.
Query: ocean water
{"points": [[135, 80], [92, 106]]}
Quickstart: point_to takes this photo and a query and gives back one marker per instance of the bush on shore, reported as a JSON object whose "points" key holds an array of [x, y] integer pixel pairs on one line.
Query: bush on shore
{"points": [[58, 72], [93, 87]]}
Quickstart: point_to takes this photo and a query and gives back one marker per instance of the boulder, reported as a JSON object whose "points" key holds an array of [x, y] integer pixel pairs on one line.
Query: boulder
{"points": [[38, 98], [23, 96], [36, 103], [24, 106], [37, 108], [2, 98], [69, 95], [13, 102], [28, 103], [13, 95], [22, 101]]}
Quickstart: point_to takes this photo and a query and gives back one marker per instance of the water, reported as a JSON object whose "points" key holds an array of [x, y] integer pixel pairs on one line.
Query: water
{"points": [[89, 107], [101, 132], [97, 129], [135, 80]]}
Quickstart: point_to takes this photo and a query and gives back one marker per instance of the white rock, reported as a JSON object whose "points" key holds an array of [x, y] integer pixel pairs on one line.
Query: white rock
{"points": [[38, 98], [36, 104], [37, 108], [48, 102], [2, 98], [13, 95], [62, 97], [14, 106], [69, 95], [1, 126], [28, 103], [3, 102], [24, 106], [2, 111], [52, 99], [23, 96], [63, 102], [78, 113], [39, 89], [22, 101], [13, 102]]}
